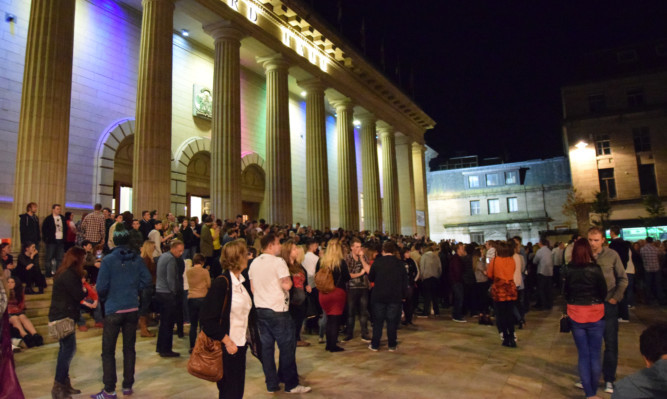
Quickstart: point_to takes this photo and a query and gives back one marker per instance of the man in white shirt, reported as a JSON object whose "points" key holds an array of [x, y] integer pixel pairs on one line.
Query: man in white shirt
{"points": [[54, 231], [310, 261], [156, 237], [270, 282], [545, 271]]}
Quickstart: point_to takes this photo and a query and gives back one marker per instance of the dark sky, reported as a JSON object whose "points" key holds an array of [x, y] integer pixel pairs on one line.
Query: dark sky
{"points": [[489, 72]]}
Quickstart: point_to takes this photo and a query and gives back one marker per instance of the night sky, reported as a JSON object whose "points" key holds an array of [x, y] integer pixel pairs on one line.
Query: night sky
{"points": [[490, 72]]}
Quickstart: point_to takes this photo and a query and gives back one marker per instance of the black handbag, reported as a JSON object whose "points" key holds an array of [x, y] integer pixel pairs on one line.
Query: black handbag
{"points": [[565, 325]]}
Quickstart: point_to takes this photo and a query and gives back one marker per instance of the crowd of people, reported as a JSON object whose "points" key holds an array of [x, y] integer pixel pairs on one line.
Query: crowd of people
{"points": [[253, 285]]}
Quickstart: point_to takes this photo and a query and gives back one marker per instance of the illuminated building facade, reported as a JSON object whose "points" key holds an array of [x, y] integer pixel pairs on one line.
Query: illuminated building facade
{"points": [[615, 128], [191, 106]]}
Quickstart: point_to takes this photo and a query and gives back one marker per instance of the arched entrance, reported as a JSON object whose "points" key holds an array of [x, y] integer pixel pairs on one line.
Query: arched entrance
{"points": [[122, 176], [198, 184], [252, 185], [119, 136]]}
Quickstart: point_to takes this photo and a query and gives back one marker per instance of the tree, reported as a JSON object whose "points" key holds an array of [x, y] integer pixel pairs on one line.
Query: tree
{"points": [[655, 209], [575, 207], [602, 207]]}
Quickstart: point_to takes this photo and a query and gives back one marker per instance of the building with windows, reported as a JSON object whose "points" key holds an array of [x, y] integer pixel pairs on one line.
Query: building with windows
{"points": [[615, 128], [495, 202], [254, 107]]}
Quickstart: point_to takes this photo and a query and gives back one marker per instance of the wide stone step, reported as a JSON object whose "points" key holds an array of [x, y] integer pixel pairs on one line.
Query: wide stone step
{"points": [[38, 303], [35, 312]]}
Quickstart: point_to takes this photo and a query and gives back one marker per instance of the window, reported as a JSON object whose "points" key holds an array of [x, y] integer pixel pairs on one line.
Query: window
{"points": [[642, 138], [635, 98], [494, 206], [602, 146], [477, 237], [511, 177], [473, 181], [607, 182], [512, 205], [492, 179], [475, 207], [597, 103], [647, 184]]}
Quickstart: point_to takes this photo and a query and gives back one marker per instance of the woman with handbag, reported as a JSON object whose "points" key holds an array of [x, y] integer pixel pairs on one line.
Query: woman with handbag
{"points": [[68, 292], [333, 302], [585, 291], [300, 288], [224, 317], [503, 290]]}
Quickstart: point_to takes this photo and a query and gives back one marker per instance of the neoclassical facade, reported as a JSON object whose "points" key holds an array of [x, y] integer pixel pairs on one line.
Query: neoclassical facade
{"points": [[225, 106]]}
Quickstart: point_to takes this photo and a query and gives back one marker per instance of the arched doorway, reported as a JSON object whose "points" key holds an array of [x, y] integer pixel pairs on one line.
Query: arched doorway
{"points": [[198, 184], [252, 185], [122, 176]]}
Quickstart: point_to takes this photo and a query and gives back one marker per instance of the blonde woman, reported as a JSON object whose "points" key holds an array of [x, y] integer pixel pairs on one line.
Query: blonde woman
{"points": [[229, 324], [147, 293], [333, 303], [300, 289]]}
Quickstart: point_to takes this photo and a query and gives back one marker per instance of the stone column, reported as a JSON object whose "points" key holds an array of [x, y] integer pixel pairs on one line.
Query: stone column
{"points": [[348, 197], [392, 216], [370, 174], [278, 159], [226, 127], [317, 175], [407, 193], [151, 175], [419, 170], [43, 132]]}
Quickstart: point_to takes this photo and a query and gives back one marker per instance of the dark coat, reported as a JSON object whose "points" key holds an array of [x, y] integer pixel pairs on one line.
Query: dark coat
{"points": [[584, 285], [29, 228], [388, 274], [49, 229], [622, 248], [67, 294]]}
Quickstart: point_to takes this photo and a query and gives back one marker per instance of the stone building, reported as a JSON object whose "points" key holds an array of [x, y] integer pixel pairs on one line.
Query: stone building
{"points": [[228, 106], [496, 202], [615, 127]]}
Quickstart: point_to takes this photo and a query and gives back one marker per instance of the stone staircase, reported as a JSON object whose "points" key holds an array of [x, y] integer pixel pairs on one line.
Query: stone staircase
{"points": [[37, 310]]}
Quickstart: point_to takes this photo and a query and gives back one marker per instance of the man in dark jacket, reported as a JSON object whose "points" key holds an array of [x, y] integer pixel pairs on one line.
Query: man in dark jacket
{"points": [[388, 274], [623, 249], [122, 275], [168, 293], [456, 282], [54, 231], [29, 225], [146, 226]]}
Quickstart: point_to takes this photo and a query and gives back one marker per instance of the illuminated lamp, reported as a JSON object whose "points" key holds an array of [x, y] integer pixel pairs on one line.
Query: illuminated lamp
{"points": [[303, 94], [581, 145], [185, 33]]}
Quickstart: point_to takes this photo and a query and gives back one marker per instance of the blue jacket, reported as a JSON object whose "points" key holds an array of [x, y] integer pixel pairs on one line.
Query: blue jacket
{"points": [[123, 275]]}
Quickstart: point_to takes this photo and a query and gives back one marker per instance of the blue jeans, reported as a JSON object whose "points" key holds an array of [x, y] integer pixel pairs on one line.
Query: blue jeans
{"points": [[588, 338], [113, 324], [97, 313], [65, 355], [610, 358], [391, 313], [54, 252], [277, 327], [357, 304]]}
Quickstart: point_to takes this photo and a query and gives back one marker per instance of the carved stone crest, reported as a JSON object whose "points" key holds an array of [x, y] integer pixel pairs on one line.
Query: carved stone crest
{"points": [[202, 102]]}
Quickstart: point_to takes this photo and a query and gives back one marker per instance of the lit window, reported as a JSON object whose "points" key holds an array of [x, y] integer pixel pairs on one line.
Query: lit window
{"points": [[597, 103], [475, 207], [512, 204], [602, 145], [494, 206], [635, 98], [492, 179], [511, 177], [642, 138], [607, 182], [473, 181]]}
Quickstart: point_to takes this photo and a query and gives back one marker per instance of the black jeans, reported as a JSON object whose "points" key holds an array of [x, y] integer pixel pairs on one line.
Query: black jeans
{"points": [[430, 292], [298, 313], [194, 305], [391, 313], [505, 318], [168, 306], [113, 324], [610, 356], [544, 287], [54, 253], [357, 303], [232, 384], [409, 304], [457, 296]]}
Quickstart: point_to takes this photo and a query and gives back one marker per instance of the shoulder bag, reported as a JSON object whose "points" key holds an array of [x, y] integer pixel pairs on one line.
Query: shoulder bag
{"points": [[62, 328], [206, 358]]}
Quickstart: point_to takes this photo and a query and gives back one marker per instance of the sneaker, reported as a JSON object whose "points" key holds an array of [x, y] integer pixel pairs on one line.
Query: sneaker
{"points": [[460, 320], [579, 385], [127, 391], [104, 395], [621, 320], [99, 324], [299, 389], [393, 348], [83, 328], [373, 349], [609, 387], [365, 338]]}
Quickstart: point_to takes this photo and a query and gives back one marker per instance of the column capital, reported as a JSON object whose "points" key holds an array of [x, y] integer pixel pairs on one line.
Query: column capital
{"points": [[342, 104], [313, 84], [225, 30], [418, 147], [385, 130], [403, 140], [273, 62], [366, 118]]}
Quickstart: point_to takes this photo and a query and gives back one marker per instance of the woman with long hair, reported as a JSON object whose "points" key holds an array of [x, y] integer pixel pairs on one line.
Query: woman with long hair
{"points": [[585, 291], [300, 288], [333, 303], [10, 387], [147, 294], [224, 317], [17, 317], [68, 291], [503, 290], [27, 269]]}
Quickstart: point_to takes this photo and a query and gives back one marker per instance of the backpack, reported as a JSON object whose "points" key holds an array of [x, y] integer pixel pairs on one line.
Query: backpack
{"points": [[324, 280]]}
